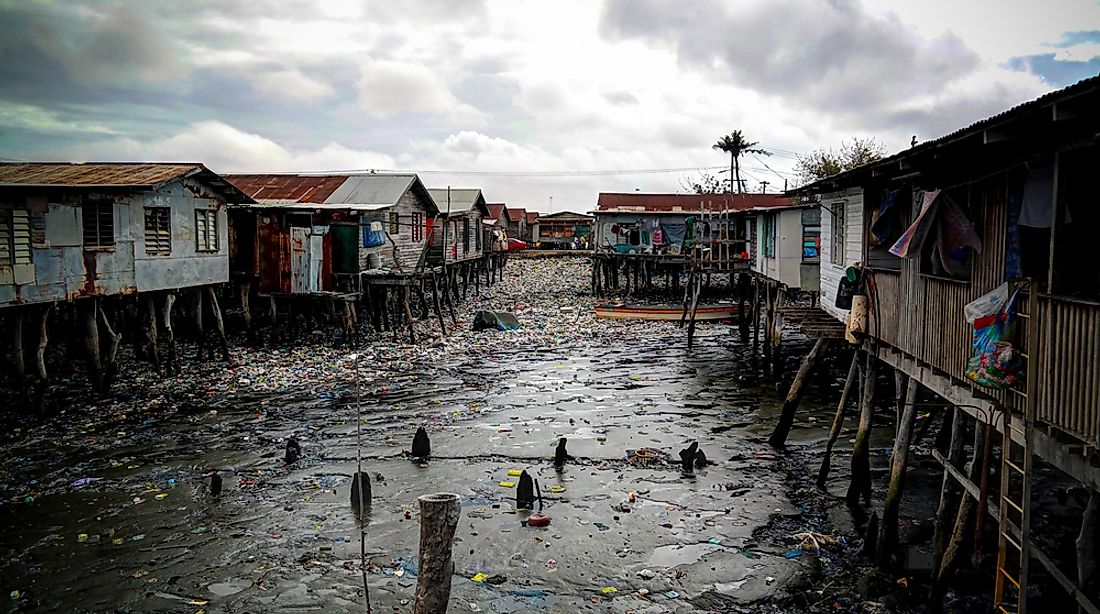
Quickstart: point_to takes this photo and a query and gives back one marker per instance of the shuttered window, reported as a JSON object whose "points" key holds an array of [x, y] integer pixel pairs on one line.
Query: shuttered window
{"points": [[206, 230], [98, 218], [15, 237], [158, 230]]}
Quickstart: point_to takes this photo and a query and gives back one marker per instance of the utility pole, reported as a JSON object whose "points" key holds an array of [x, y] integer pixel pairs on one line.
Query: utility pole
{"points": [[551, 204], [764, 187]]}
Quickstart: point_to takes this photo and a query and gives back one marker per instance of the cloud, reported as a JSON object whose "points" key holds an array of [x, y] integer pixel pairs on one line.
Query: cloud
{"points": [[831, 57], [389, 87], [226, 149], [293, 84]]}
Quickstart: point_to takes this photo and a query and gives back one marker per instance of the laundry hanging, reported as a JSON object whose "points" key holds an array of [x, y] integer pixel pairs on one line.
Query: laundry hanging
{"points": [[941, 218], [883, 227]]}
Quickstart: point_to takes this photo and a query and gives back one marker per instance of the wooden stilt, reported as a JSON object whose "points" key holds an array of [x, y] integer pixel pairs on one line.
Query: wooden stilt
{"points": [[439, 515], [860, 486], [109, 349], [450, 303], [949, 493], [755, 311], [1088, 548], [41, 377], [149, 326], [409, 314], [438, 307], [246, 311], [200, 327], [838, 421], [694, 309], [170, 333], [425, 311], [219, 324], [15, 352], [794, 396], [91, 342], [964, 516], [888, 529]]}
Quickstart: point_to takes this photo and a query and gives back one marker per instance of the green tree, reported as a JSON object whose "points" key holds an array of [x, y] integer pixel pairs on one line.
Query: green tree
{"points": [[822, 163], [705, 183], [735, 144]]}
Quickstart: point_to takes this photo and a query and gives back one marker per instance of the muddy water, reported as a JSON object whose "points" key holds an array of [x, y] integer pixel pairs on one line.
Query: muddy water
{"points": [[144, 535]]}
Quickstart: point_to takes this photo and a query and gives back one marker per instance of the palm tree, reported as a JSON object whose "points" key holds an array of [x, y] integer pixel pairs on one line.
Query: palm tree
{"points": [[736, 144]]}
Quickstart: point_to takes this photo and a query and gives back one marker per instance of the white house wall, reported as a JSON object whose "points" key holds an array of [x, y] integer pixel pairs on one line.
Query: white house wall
{"points": [[185, 266], [853, 244], [784, 266]]}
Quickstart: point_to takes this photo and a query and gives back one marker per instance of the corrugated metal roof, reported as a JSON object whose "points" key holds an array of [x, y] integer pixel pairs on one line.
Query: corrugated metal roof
{"points": [[1085, 86], [565, 215], [532, 217], [93, 174], [114, 175], [462, 199], [496, 210], [293, 204], [288, 188], [515, 214], [686, 203], [373, 189]]}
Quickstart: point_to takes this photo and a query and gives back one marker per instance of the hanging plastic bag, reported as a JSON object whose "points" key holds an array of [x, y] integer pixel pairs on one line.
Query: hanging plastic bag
{"points": [[995, 361]]}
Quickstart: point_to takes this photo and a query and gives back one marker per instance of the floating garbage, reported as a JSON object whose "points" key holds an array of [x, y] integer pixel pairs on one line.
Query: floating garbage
{"points": [[495, 320]]}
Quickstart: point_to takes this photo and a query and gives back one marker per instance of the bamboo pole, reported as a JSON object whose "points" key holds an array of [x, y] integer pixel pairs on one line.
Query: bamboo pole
{"points": [[439, 514], [838, 421], [794, 396]]}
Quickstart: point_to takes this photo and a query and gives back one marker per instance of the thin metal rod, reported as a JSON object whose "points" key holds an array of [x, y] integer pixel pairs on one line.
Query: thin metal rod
{"points": [[359, 478]]}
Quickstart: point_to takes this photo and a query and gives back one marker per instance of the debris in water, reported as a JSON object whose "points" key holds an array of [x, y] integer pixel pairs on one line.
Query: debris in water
{"points": [[293, 451], [422, 446]]}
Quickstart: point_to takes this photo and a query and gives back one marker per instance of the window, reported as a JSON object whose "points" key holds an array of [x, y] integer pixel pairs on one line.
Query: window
{"points": [[466, 233], [811, 242], [206, 230], [768, 230], [15, 237], [98, 218], [395, 224], [418, 227], [158, 230], [836, 236]]}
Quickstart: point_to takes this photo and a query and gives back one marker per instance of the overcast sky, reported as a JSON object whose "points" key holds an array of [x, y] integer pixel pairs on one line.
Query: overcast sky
{"points": [[558, 90]]}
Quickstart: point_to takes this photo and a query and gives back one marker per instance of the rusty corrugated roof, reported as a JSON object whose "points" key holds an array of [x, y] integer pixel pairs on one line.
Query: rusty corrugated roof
{"points": [[495, 211], [516, 214], [94, 174], [288, 188], [686, 203], [532, 217]]}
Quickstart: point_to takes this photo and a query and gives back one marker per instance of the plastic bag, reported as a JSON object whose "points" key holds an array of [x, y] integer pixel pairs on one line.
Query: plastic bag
{"points": [[987, 304], [994, 361]]}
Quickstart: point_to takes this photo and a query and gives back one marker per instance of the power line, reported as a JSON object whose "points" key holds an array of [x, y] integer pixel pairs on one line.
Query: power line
{"points": [[768, 167], [644, 171]]}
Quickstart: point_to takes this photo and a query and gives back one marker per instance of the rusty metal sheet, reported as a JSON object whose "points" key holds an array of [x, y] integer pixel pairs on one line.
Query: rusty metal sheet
{"points": [[294, 188], [92, 174]]}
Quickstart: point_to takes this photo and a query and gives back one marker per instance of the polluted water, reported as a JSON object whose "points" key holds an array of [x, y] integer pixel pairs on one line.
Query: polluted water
{"points": [[227, 489]]}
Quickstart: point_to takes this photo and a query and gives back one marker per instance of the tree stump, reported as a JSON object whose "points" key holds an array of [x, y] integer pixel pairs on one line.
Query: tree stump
{"points": [[439, 514]]}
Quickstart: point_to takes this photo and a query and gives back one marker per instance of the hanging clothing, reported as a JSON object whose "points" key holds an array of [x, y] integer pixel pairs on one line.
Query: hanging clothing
{"points": [[942, 218], [884, 227], [658, 236], [1037, 209]]}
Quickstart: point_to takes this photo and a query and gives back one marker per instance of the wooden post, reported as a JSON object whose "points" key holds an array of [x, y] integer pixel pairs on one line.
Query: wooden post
{"points": [[170, 334], [425, 311], [409, 314], [450, 303], [219, 324], [950, 491], [109, 350], [15, 354], [794, 396], [838, 421], [41, 377], [694, 309], [888, 529], [91, 343], [755, 311], [149, 326], [439, 516], [860, 487], [964, 517], [246, 309], [1088, 573], [200, 328], [438, 307]]}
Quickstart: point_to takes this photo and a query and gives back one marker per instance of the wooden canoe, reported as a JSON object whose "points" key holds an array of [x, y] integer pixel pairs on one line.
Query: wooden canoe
{"points": [[664, 312]]}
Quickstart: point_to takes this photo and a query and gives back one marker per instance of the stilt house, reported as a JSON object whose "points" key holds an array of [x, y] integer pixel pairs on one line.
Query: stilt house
{"points": [[786, 243], [458, 236], [934, 227], [558, 230]]}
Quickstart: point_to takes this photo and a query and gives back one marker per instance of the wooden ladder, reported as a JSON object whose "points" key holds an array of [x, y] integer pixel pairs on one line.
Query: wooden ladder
{"points": [[1014, 529]]}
